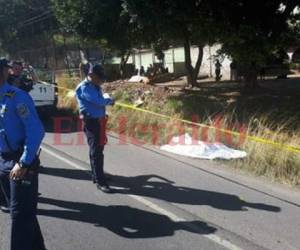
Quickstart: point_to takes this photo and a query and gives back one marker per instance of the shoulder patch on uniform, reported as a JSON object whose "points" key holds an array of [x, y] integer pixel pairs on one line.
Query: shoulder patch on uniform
{"points": [[10, 93], [23, 110]]}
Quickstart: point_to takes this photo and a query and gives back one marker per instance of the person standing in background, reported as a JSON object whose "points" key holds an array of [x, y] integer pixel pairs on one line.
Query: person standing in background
{"points": [[233, 71], [218, 66], [85, 68]]}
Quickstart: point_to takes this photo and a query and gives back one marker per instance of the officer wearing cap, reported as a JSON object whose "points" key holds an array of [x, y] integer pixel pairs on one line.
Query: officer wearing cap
{"points": [[21, 133], [92, 105], [18, 77]]}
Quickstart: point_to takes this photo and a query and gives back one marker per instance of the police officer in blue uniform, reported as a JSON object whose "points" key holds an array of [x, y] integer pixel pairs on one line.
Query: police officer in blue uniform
{"points": [[21, 133], [92, 107], [4, 206]]}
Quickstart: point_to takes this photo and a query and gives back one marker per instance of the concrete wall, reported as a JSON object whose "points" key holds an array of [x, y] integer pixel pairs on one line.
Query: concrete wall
{"points": [[174, 60]]}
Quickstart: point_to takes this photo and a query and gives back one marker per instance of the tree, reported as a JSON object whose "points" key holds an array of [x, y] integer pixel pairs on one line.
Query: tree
{"points": [[10, 9], [96, 19], [174, 22], [25, 26], [253, 31]]}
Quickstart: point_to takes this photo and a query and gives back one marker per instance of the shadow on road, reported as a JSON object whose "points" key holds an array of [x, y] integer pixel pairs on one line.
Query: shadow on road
{"points": [[124, 221], [160, 188], [157, 187], [67, 173]]}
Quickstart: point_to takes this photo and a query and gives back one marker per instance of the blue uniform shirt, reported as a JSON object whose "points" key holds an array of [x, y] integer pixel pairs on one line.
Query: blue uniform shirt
{"points": [[20, 126], [90, 99]]}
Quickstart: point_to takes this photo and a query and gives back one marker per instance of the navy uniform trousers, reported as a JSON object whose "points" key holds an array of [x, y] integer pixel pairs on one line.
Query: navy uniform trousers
{"points": [[94, 130], [2, 197], [22, 199]]}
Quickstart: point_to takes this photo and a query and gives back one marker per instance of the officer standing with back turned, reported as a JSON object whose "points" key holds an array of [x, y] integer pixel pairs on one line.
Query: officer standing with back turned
{"points": [[21, 133], [92, 105]]}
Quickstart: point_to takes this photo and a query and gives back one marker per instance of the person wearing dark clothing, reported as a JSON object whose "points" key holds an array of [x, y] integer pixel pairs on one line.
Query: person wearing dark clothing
{"points": [[19, 79], [85, 68], [142, 71], [19, 162], [3, 203], [218, 66], [92, 105], [233, 71]]}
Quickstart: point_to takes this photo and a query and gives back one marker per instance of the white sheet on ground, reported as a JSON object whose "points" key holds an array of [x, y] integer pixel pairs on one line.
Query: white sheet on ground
{"points": [[184, 145], [140, 79]]}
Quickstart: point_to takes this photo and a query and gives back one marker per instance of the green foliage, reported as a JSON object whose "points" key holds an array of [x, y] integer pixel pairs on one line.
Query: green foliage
{"points": [[96, 20], [25, 21], [173, 22], [251, 31]]}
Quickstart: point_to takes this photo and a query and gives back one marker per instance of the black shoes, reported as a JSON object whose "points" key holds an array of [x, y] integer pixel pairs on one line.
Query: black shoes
{"points": [[5, 209], [107, 178], [104, 188]]}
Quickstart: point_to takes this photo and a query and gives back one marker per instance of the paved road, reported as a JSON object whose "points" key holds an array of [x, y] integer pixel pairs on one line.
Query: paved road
{"points": [[160, 202]]}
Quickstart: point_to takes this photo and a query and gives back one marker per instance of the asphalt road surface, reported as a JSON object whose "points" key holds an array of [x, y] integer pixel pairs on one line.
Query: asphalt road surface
{"points": [[160, 201]]}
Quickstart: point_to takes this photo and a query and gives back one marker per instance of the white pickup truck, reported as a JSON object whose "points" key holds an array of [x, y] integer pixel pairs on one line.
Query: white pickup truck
{"points": [[44, 91], [44, 95]]}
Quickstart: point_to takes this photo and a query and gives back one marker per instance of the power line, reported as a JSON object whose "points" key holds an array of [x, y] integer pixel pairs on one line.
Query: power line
{"points": [[37, 21], [36, 18], [33, 11]]}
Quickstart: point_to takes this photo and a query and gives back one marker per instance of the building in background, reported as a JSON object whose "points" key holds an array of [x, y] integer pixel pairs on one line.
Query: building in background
{"points": [[175, 61]]}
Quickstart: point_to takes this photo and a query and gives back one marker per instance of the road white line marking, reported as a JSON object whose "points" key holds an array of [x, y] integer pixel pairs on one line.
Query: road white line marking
{"points": [[224, 243], [50, 152]]}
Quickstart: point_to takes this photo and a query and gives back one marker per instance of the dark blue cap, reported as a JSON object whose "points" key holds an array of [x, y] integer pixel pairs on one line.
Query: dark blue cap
{"points": [[99, 71]]}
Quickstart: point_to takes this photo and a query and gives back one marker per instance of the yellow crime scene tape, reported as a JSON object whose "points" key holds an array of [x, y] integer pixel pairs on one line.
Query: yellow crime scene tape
{"points": [[249, 137], [252, 138]]}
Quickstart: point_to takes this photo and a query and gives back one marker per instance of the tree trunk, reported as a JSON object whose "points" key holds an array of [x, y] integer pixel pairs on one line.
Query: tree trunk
{"points": [[66, 55], [199, 61], [188, 63], [192, 72], [103, 59], [54, 53], [251, 77], [124, 59]]}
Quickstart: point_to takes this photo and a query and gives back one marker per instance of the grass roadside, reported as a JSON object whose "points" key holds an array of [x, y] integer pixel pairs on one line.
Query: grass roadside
{"points": [[227, 108]]}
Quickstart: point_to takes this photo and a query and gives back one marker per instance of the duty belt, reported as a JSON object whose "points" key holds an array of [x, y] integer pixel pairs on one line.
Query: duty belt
{"points": [[86, 115]]}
